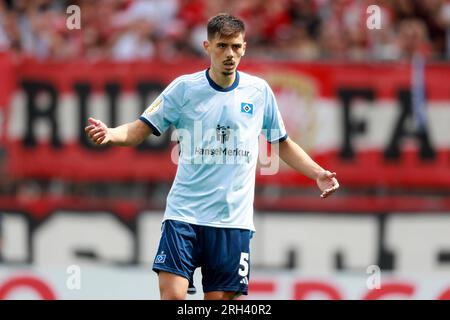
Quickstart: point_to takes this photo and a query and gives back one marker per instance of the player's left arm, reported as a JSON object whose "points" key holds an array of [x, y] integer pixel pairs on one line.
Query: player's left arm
{"points": [[291, 153]]}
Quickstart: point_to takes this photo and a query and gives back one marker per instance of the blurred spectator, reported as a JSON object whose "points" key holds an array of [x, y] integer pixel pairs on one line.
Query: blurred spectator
{"points": [[304, 14], [169, 29], [431, 12], [135, 42], [413, 38], [445, 16], [332, 42], [4, 183]]}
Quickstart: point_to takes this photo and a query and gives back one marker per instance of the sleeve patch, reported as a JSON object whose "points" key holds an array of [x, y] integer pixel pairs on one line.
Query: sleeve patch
{"points": [[154, 107]]}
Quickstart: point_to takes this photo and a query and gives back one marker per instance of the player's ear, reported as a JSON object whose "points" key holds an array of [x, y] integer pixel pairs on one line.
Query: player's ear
{"points": [[244, 47], [206, 46]]}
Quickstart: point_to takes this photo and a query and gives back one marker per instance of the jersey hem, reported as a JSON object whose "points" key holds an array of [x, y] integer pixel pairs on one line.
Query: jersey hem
{"points": [[209, 224], [283, 138]]}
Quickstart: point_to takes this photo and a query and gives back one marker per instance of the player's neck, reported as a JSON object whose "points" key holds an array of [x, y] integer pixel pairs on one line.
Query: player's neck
{"points": [[222, 80]]}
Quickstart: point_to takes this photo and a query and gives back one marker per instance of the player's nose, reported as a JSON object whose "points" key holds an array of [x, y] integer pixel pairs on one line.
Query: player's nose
{"points": [[229, 52]]}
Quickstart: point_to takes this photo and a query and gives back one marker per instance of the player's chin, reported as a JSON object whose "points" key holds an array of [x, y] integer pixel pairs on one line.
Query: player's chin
{"points": [[228, 73]]}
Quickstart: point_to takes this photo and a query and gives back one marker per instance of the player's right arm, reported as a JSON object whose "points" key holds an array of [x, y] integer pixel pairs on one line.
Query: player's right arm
{"points": [[129, 134], [163, 112]]}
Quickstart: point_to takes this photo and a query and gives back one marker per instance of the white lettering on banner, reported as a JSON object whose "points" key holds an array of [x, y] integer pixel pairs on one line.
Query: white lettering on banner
{"points": [[17, 127], [58, 238], [129, 103], [316, 239], [67, 109], [380, 118], [15, 237], [97, 107], [376, 132], [417, 240]]}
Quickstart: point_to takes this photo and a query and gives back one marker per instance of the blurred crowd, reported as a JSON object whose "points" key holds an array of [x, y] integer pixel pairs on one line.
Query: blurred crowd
{"points": [[174, 29]]}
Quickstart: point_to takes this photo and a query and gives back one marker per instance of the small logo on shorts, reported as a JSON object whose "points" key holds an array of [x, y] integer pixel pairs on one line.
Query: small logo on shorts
{"points": [[244, 280], [160, 258]]}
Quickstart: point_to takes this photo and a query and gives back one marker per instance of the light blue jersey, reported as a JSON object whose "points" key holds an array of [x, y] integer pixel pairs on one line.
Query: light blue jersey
{"points": [[218, 131]]}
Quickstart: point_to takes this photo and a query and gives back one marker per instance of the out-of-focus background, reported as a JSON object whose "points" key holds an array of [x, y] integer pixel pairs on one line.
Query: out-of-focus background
{"points": [[368, 98]]}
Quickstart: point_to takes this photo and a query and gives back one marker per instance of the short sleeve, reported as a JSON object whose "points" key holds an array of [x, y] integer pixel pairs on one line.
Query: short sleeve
{"points": [[273, 125], [165, 109]]}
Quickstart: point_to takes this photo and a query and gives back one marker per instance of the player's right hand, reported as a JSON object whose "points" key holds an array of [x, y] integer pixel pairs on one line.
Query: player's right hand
{"points": [[98, 132]]}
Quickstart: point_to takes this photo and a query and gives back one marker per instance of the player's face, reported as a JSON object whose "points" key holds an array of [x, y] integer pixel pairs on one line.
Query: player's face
{"points": [[225, 53]]}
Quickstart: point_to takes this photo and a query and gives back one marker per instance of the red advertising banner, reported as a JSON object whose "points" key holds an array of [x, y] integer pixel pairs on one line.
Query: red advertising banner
{"points": [[7, 85], [363, 121]]}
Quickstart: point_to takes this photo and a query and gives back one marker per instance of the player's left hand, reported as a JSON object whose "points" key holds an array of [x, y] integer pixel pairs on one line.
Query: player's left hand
{"points": [[327, 183]]}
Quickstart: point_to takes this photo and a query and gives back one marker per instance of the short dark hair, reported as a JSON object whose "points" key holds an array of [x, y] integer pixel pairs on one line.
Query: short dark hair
{"points": [[225, 25]]}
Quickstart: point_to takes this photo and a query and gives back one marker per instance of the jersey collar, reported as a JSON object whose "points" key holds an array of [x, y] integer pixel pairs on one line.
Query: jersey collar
{"points": [[219, 88]]}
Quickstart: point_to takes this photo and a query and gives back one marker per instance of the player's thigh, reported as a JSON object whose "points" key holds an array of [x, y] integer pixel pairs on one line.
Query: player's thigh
{"points": [[225, 261], [176, 258]]}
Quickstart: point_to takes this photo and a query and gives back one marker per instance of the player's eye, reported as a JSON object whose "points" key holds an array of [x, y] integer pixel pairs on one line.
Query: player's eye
{"points": [[221, 45], [237, 46]]}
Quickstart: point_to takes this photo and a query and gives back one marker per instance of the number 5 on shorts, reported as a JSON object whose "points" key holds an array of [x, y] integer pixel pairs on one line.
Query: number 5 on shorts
{"points": [[243, 264]]}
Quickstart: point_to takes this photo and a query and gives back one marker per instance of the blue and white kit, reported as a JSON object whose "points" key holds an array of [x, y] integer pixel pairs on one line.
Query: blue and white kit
{"points": [[218, 130], [208, 221]]}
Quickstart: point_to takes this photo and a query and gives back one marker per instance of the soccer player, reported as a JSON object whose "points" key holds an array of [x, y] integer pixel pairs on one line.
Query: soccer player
{"points": [[219, 113]]}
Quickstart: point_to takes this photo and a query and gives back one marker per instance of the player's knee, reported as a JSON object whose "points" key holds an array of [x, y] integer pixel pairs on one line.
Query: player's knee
{"points": [[171, 292], [221, 295], [172, 295], [172, 287]]}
